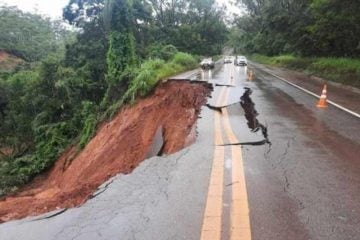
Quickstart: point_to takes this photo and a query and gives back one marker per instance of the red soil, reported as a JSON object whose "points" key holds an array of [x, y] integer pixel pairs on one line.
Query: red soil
{"points": [[4, 56], [8, 61], [119, 147]]}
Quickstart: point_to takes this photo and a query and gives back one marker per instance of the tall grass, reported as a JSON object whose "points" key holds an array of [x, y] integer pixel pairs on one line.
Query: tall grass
{"points": [[341, 70], [148, 76], [150, 73]]}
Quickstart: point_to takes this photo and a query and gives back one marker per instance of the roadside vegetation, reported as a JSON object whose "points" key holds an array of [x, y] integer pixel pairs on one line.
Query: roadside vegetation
{"points": [[342, 70], [319, 36], [71, 81]]}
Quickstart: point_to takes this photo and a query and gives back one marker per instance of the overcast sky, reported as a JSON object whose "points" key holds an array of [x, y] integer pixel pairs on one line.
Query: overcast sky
{"points": [[53, 8]]}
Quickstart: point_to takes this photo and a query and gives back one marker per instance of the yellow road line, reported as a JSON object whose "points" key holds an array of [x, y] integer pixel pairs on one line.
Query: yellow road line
{"points": [[211, 228], [240, 219]]}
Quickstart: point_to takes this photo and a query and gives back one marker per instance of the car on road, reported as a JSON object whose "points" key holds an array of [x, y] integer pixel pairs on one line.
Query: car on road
{"points": [[228, 59], [240, 61], [207, 63]]}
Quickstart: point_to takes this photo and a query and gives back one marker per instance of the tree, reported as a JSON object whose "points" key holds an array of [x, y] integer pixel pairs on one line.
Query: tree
{"points": [[303, 27], [79, 12], [27, 35], [336, 29]]}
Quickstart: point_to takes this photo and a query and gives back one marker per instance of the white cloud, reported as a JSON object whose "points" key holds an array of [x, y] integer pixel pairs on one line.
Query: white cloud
{"points": [[230, 6], [52, 8]]}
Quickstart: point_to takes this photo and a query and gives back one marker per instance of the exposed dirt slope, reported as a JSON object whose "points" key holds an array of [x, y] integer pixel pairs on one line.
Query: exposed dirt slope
{"points": [[8, 61], [118, 147]]}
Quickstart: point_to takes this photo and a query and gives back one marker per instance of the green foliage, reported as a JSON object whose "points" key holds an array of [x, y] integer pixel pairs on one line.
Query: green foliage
{"points": [[160, 51], [79, 12], [314, 28], [60, 100], [342, 70], [184, 59], [29, 36], [88, 113], [121, 55], [152, 71]]}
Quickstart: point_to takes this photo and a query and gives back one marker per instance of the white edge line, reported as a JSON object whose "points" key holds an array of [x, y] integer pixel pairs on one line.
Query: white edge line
{"points": [[314, 95]]}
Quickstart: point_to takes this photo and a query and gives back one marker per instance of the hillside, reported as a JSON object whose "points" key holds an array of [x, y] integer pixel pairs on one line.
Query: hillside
{"points": [[160, 124]]}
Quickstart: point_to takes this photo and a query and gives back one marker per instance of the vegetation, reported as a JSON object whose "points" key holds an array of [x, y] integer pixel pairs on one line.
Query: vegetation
{"points": [[121, 50], [341, 70], [69, 81], [316, 28], [29, 36], [320, 36]]}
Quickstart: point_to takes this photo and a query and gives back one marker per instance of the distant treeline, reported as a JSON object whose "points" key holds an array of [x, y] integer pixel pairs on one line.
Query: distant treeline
{"points": [[321, 28]]}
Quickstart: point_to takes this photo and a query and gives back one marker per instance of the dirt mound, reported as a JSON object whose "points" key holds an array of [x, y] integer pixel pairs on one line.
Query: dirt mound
{"points": [[8, 61], [118, 147]]}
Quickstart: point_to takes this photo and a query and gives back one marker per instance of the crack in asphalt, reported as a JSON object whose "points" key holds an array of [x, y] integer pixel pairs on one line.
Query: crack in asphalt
{"points": [[257, 143], [102, 191], [51, 216], [223, 85], [219, 108], [251, 115]]}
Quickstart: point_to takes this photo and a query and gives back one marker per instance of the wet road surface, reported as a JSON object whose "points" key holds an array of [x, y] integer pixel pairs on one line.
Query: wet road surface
{"points": [[304, 185]]}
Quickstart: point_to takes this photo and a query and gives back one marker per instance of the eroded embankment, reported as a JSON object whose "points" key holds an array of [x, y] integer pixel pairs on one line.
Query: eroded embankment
{"points": [[119, 147]]}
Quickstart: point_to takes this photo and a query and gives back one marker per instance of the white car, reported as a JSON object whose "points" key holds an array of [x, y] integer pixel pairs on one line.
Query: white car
{"points": [[240, 61], [207, 63], [228, 59]]}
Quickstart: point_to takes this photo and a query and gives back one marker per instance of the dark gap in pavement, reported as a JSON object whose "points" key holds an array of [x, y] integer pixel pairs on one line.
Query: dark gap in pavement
{"points": [[219, 108], [251, 115], [51, 216], [257, 143], [223, 85], [158, 144]]}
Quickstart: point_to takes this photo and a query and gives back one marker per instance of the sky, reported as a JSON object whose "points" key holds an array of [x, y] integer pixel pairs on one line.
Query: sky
{"points": [[53, 8]]}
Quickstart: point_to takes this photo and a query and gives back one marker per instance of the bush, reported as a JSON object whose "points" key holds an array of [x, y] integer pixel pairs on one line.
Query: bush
{"points": [[342, 70], [164, 52], [89, 126], [185, 60], [152, 71]]}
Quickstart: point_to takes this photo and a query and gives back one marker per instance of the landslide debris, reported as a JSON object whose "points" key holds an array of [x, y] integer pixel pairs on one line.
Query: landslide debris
{"points": [[118, 147], [8, 61]]}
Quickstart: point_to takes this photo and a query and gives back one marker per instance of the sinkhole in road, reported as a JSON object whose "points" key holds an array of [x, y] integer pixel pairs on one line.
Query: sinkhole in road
{"points": [[162, 123]]}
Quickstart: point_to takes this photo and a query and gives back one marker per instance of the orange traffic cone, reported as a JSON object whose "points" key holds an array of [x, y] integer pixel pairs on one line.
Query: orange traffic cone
{"points": [[323, 99], [251, 75]]}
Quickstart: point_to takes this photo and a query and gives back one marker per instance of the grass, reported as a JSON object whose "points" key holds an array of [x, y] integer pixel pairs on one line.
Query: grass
{"points": [[152, 71], [342, 70], [148, 76]]}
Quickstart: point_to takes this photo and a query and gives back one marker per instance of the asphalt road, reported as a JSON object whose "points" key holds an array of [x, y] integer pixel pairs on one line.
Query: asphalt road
{"points": [[304, 185]]}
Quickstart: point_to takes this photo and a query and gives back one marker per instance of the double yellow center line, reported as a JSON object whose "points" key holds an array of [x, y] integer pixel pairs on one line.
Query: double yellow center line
{"points": [[239, 214]]}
